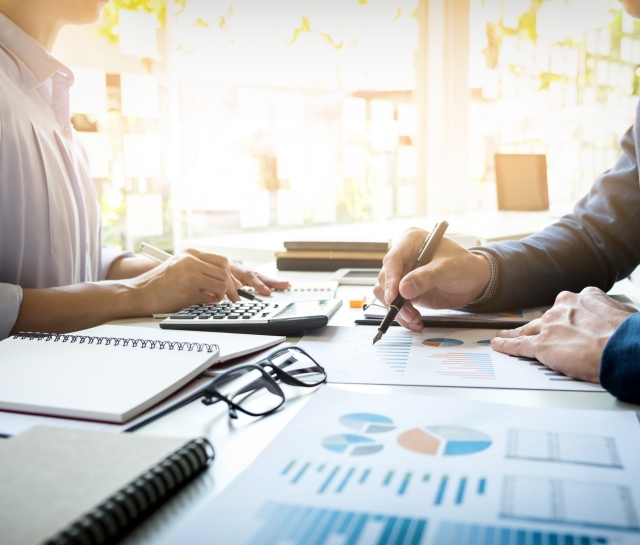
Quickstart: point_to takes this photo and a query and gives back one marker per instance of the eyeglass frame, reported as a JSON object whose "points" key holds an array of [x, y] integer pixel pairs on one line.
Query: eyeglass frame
{"points": [[215, 396]]}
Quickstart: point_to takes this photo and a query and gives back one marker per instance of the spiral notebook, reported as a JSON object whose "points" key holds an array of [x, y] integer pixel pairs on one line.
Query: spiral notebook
{"points": [[91, 376], [60, 486]]}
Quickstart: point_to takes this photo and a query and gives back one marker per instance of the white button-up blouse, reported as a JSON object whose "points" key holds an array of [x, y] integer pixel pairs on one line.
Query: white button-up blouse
{"points": [[50, 226]]}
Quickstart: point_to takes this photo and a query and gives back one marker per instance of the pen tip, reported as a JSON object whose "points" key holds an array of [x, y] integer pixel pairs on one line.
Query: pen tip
{"points": [[377, 337]]}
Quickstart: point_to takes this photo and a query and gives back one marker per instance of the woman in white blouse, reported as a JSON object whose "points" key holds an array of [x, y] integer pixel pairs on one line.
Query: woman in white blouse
{"points": [[55, 276]]}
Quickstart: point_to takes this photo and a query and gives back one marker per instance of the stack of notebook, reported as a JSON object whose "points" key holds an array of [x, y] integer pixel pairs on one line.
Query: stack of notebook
{"points": [[331, 256]]}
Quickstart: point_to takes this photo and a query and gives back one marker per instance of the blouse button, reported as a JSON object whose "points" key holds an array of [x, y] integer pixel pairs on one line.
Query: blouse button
{"points": [[67, 132]]}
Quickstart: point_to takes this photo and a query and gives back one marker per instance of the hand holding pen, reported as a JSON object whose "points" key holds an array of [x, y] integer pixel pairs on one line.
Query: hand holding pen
{"points": [[238, 274], [425, 255]]}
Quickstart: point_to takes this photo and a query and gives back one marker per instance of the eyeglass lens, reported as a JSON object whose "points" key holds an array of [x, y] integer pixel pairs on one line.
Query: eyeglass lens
{"points": [[300, 366], [250, 390]]}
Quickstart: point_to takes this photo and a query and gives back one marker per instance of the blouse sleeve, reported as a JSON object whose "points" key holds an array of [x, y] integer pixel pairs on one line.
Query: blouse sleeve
{"points": [[109, 255], [10, 299]]}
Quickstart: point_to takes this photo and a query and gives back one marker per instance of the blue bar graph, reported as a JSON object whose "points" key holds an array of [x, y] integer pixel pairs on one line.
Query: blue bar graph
{"points": [[300, 473], [460, 494], [482, 485], [458, 533], [404, 484], [441, 490], [387, 478], [345, 480], [327, 482], [288, 467], [301, 525], [365, 474], [425, 478]]}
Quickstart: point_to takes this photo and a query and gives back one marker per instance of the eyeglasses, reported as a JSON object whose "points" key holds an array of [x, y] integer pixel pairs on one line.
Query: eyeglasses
{"points": [[253, 389]]}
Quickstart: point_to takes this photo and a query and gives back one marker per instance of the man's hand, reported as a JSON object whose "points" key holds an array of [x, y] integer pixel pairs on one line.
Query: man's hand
{"points": [[571, 336], [454, 277], [193, 277]]}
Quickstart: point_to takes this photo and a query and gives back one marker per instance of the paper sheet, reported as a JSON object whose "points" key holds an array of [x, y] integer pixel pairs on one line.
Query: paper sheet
{"points": [[370, 469], [435, 357]]}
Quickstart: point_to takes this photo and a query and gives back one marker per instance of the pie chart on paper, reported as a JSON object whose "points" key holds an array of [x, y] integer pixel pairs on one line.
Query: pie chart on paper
{"points": [[351, 445], [367, 422], [444, 440], [442, 342]]}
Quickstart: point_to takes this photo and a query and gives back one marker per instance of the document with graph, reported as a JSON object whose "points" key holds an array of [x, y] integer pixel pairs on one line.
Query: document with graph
{"points": [[381, 469], [435, 357]]}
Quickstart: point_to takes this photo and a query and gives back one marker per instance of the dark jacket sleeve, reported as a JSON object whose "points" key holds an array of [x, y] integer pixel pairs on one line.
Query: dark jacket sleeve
{"points": [[620, 364], [597, 245]]}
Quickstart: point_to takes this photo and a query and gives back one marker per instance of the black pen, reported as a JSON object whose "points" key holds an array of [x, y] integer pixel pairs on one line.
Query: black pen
{"points": [[247, 295], [424, 256]]}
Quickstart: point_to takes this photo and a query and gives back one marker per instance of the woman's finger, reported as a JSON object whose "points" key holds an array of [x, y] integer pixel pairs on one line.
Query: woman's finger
{"points": [[253, 280], [273, 283]]}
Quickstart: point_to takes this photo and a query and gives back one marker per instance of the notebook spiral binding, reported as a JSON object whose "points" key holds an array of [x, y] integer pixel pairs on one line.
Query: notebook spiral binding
{"points": [[107, 523], [116, 341]]}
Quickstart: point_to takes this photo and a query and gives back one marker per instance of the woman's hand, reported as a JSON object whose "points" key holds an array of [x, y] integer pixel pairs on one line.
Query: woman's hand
{"points": [[262, 284], [570, 337], [193, 277]]}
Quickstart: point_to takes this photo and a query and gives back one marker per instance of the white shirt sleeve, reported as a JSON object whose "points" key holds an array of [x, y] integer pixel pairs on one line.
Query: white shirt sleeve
{"points": [[109, 255], [10, 299]]}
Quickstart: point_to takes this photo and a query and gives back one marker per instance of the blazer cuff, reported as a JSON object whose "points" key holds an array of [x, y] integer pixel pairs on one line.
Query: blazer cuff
{"points": [[10, 300], [620, 362], [109, 255]]}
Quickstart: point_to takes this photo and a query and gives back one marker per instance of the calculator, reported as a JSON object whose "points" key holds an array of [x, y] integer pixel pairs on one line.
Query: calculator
{"points": [[255, 317]]}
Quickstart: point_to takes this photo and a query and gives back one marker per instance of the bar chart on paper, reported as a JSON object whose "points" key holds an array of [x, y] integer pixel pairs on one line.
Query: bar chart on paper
{"points": [[410, 484], [301, 525], [459, 533], [435, 357]]}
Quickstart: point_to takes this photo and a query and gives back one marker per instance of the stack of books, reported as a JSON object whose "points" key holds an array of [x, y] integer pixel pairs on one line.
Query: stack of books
{"points": [[331, 256]]}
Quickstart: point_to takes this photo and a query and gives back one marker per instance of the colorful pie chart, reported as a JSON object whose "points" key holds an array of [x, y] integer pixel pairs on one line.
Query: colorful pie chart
{"points": [[351, 445], [367, 422], [441, 341], [444, 440]]}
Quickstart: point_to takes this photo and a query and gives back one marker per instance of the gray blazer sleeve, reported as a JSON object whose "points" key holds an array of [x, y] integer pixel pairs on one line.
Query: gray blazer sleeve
{"points": [[10, 299], [597, 245]]}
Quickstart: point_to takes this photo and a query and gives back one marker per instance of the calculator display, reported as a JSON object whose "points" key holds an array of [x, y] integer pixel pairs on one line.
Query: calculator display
{"points": [[302, 308]]}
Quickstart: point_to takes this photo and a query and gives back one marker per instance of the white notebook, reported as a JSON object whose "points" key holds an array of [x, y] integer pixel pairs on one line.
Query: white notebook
{"points": [[108, 373]]}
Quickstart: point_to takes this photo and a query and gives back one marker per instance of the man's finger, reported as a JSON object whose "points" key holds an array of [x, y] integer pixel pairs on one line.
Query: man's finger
{"points": [[393, 272], [410, 318], [524, 346], [411, 324], [532, 328], [423, 279]]}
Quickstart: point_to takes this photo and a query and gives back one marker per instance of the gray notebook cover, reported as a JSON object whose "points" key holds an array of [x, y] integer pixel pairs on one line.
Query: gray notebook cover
{"points": [[49, 477]]}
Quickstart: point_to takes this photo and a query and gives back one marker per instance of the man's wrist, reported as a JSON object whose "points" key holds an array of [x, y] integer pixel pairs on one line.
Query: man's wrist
{"points": [[493, 285]]}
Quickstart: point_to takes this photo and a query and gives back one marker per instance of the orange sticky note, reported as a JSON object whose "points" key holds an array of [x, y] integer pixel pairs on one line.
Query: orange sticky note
{"points": [[357, 303]]}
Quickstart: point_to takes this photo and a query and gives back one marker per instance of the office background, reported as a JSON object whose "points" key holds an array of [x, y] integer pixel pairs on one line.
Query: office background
{"points": [[207, 117]]}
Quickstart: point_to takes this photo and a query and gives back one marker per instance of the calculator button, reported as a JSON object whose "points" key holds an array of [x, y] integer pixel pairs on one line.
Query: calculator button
{"points": [[203, 317], [183, 317], [218, 317], [246, 316], [233, 316]]}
